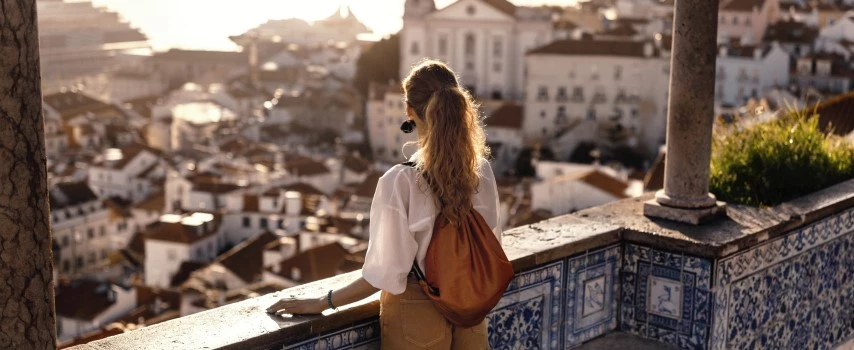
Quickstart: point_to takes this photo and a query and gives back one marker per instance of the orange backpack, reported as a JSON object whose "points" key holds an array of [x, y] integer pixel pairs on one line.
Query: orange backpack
{"points": [[467, 270]]}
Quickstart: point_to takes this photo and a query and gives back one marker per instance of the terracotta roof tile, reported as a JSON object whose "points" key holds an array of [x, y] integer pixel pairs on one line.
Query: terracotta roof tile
{"points": [[184, 271], [83, 299], [246, 260], [592, 47], [250, 203], [356, 164], [368, 187], [178, 233], [316, 263], [837, 113], [68, 194], [509, 115], [503, 6]]}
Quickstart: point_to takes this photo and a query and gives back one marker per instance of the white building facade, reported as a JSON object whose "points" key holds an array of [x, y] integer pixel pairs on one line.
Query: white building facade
{"points": [[484, 41], [619, 84], [748, 72], [385, 112]]}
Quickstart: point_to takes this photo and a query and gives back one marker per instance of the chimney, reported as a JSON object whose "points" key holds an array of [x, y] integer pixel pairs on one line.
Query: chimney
{"points": [[277, 268], [220, 297], [648, 49], [293, 202], [157, 307], [723, 51], [757, 54], [296, 274]]}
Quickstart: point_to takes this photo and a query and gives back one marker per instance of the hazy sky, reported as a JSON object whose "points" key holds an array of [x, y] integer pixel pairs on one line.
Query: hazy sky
{"points": [[206, 24]]}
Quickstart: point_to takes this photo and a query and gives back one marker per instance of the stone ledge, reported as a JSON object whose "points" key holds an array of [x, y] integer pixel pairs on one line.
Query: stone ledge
{"points": [[245, 325], [741, 228]]}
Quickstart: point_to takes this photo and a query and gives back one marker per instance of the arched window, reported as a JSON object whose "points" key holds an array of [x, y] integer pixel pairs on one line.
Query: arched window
{"points": [[469, 44]]}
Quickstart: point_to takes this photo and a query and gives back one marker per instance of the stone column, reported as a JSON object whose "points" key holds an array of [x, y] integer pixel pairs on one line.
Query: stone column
{"points": [[27, 318], [686, 196]]}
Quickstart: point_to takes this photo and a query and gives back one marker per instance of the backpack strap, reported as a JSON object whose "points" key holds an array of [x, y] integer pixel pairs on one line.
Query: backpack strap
{"points": [[416, 270]]}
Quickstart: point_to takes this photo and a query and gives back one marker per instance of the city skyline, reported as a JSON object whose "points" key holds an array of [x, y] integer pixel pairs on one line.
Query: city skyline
{"points": [[170, 24]]}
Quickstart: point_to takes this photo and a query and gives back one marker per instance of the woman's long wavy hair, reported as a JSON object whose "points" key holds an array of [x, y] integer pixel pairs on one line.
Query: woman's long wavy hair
{"points": [[454, 141]]}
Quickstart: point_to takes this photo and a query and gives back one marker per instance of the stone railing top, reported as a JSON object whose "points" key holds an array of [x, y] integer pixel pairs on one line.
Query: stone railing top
{"points": [[245, 325], [741, 228]]}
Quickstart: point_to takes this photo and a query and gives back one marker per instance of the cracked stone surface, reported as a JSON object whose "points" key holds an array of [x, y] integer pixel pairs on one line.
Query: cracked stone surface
{"points": [[26, 292]]}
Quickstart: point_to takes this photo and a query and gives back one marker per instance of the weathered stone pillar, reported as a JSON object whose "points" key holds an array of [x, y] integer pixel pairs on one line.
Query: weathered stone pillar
{"points": [[27, 318], [686, 196]]}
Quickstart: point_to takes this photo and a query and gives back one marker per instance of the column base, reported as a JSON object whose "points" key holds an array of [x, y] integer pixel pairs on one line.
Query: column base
{"points": [[696, 216]]}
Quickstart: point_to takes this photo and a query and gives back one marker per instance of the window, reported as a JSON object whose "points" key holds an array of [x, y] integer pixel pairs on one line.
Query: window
{"points": [[92, 257], [470, 65], [247, 222], [498, 47], [578, 93], [101, 231], [469, 44], [78, 262], [618, 72], [543, 93], [262, 222], [496, 67], [543, 114], [90, 233], [64, 241], [735, 20], [66, 266], [634, 113], [281, 224], [443, 45], [591, 114], [561, 93], [413, 48], [103, 254]]}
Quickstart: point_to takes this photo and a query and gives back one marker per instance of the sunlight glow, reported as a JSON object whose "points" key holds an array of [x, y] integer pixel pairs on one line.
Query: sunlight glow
{"points": [[206, 24]]}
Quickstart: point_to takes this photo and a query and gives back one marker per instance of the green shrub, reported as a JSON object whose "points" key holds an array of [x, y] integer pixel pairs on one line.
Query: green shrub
{"points": [[765, 164]]}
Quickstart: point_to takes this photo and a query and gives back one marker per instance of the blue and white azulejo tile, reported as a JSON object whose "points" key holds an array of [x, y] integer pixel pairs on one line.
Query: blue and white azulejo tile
{"points": [[529, 314], [591, 294], [666, 296]]}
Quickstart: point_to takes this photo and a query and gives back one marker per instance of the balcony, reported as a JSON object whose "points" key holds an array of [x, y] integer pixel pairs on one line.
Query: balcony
{"points": [[626, 99], [611, 271]]}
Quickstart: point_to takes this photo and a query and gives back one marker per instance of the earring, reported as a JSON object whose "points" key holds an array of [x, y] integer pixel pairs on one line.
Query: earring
{"points": [[407, 126]]}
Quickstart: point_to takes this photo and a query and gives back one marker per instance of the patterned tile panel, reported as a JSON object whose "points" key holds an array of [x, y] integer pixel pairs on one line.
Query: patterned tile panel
{"points": [[529, 314], [363, 336], [591, 294], [795, 292], [666, 296]]}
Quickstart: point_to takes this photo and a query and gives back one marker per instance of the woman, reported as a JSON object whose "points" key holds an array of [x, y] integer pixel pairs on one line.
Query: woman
{"points": [[450, 167]]}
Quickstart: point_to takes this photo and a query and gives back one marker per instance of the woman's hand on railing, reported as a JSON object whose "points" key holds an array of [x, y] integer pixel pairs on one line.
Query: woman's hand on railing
{"points": [[298, 306]]}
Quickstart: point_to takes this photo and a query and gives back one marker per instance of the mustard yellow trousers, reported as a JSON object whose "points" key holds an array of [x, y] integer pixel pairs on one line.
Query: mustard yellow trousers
{"points": [[410, 321]]}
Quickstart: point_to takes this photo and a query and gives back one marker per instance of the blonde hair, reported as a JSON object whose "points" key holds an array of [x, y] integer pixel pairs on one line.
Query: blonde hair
{"points": [[454, 142]]}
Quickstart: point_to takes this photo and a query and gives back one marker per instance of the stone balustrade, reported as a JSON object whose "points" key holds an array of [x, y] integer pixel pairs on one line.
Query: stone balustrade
{"points": [[780, 277]]}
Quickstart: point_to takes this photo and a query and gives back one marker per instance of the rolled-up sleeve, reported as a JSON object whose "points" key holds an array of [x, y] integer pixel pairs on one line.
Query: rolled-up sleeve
{"points": [[391, 247]]}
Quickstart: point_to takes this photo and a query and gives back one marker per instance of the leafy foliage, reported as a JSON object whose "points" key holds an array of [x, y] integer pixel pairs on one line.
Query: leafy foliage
{"points": [[379, 63], [765, 164]]}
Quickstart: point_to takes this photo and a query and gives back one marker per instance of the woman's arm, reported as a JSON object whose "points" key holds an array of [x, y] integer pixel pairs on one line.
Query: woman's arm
{"points": [[353, 292]]}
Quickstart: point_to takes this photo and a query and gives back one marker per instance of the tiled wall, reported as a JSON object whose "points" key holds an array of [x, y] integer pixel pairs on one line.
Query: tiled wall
{"points": [[666, 296], [794, 292], [362, 336]]}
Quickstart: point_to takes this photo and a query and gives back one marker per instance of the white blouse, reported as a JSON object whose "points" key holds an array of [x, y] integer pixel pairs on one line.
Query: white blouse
{"points": [[401, 223]]}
